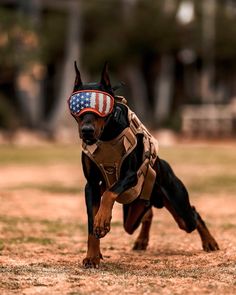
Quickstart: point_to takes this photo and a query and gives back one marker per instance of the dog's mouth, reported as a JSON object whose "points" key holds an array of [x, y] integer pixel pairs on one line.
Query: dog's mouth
{"points": [[90, 141], [89, 135]]}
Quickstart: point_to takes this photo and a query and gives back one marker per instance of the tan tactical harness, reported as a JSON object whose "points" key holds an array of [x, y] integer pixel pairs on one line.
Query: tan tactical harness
{"points": [[109, 156]]}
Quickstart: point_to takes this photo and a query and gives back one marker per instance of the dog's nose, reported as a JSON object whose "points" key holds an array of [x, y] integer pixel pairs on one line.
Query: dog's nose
{"points": [[87, 131]]}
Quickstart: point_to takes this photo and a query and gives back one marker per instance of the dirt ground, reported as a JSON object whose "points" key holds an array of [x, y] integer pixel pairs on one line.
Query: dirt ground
{"points": [[43, 237]]}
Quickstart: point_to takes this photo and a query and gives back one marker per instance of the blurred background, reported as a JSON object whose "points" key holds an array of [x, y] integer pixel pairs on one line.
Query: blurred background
{"points": [[177, 58]]}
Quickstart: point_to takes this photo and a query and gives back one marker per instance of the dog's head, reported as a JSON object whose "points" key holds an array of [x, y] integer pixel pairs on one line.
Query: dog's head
{"points": [[91, 104]]}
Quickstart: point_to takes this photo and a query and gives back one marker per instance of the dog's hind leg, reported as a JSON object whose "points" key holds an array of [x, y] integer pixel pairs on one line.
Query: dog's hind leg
{"points": [[208, 242], [176, 200], [133, 214], [142, 240]]}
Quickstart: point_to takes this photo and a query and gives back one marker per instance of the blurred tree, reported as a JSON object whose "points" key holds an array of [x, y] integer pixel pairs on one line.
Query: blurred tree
{"points": [[133, 72], [161, 57], [30, 71], [58, 116], [137, 37]]}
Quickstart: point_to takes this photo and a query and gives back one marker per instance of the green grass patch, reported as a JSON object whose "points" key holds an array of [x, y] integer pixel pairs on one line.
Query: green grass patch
{"points": [[218, 180], [12, 221], [228, 226], [72, 154], [58, 226], [14, 224], [222, 158], [52, 154], [35, 240], [1, 245], [214, 184], [116, 223], [55, 188], [200, 155]]}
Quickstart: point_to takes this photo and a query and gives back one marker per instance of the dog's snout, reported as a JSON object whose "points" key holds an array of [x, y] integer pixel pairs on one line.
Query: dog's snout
{"points": [[87, 130]]}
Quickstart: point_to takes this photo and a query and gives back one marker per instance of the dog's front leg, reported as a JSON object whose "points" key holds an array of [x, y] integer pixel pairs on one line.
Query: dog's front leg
{"points": [[92, 197], [92, 259], [102, 220]]}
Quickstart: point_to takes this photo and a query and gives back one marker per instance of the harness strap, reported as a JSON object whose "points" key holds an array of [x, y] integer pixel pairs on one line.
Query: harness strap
{"points": [[146, 174]]}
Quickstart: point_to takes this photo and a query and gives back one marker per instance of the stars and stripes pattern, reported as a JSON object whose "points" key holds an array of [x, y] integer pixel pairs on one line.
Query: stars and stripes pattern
{"points": [[94, 101]]}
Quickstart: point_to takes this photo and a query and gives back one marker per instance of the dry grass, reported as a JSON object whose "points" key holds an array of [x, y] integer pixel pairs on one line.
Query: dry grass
{"points": [[43, 229]]}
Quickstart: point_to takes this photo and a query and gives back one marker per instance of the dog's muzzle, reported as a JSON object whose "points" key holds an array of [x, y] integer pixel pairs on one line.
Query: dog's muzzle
{"points": [[88, 134]]}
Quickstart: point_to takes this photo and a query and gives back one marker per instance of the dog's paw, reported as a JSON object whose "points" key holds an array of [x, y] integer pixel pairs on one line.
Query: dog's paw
{"points": [[92, 262], [100, 232], [102, 223], [140, 244], [210, 245]]}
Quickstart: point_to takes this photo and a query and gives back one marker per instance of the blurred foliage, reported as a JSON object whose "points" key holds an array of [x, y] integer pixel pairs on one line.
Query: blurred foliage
{"points": [[225, 41], [7, 49], [47, 39], [8, 118], [53, 35], [109, 33], [122, 32], [40, 155]]}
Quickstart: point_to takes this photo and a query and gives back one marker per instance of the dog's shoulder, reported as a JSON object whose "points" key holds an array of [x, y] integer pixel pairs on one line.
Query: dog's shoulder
{"points": [[121, 114], [121, 99]]}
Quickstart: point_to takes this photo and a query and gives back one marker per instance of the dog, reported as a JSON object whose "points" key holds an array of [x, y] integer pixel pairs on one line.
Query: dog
{"points": [[120, 162]]}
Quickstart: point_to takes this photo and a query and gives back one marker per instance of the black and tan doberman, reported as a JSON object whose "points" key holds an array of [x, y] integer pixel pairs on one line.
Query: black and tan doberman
{"points": [[101, 118]]}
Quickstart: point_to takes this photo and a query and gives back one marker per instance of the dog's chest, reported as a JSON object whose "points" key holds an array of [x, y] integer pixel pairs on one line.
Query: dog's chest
{"points": [[109, 155]]}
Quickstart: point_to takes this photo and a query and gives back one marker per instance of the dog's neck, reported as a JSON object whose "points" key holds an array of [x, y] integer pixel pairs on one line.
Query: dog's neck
{"points": [[116, 123]]}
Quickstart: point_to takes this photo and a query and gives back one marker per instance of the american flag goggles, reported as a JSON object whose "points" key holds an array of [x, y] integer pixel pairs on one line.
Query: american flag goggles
{"points": [[94, 101]]}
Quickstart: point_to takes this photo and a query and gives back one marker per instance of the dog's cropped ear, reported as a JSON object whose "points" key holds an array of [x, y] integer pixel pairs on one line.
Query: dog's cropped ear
{"points": [[78, 81], [118, 86], [105, 80]]}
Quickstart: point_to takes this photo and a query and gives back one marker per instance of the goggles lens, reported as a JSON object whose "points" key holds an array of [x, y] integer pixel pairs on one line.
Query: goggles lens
{"points": [[94, 101]]}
